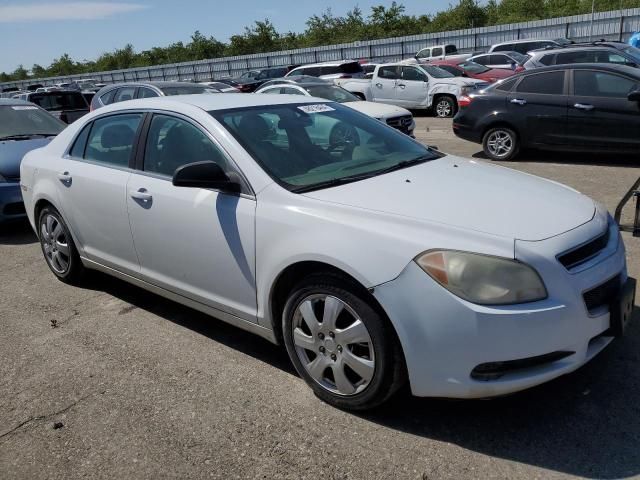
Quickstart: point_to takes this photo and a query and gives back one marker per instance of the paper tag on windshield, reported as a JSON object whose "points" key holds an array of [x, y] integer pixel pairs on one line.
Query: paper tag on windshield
{"points": [[320, 107], [24, 107]]}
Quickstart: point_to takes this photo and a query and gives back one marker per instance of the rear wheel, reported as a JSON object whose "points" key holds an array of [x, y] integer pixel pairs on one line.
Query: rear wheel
{"points": [[500, 143], [445, 107], [58, 248], [340, 345]]}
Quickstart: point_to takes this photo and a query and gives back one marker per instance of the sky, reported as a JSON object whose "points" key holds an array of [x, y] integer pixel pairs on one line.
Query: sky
{"points": [[36, 31]]}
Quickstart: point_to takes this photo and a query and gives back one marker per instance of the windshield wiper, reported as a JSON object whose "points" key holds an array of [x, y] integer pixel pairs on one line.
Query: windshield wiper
{"points": [[334, 182], [27, 136]]}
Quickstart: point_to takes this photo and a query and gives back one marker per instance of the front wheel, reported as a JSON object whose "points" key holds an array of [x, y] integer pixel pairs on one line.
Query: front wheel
{"points": [[445, 107], [500, 143], [340, 345], [58, 248]]}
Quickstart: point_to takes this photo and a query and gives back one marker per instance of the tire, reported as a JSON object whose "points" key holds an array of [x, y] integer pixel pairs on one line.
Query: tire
{"points": [[500, 143], [58, 248], [357, 336], [445, 107]]}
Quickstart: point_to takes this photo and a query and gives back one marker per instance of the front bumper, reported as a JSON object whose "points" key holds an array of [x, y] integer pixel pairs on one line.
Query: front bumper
{"points": [[11, 205], [444, 338]]}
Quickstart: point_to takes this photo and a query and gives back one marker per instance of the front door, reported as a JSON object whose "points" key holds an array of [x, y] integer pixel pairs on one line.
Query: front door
{"points": [[600, 115], [92, 190], [383, 86], [412, 88], [199, 243]]}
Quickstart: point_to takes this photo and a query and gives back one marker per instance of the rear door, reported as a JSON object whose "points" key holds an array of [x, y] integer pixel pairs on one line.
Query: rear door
{"points": [[383, 85], [92, 189], [600, 115], [539, 106]]}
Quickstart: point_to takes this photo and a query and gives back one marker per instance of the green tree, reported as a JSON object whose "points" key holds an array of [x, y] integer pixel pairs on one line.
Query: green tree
{"points": [[466, 14]]}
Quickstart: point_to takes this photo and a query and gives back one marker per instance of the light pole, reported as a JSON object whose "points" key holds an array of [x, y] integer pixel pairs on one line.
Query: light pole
{"points": [[593, 9]]}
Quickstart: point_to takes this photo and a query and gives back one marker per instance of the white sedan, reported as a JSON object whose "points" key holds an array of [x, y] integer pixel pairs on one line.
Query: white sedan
{"points": [[373, 260]]}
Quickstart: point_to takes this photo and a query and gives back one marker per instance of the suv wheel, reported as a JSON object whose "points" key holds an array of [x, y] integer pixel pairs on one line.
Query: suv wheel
{"points": [[445, 107], [340, 345], [500, 143], [58, 248]]}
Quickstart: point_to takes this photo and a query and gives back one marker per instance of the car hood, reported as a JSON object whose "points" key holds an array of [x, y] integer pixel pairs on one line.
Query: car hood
{"points": [[495, 74], [12, 151], [378, 110], [471, 195], [459, 81]]}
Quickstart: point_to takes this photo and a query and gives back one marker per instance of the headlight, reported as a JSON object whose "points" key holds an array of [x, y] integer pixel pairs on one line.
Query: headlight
{"points": [[483, 279]]}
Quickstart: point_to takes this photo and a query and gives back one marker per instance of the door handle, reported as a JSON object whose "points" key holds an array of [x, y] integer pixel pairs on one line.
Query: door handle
{"points": [[401, 85], [519, 101], [379, 85], [65, 178], [584, 106], [141, 194]]}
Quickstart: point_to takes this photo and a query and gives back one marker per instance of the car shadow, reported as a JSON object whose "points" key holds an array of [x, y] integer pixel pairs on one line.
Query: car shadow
{"points": [[17, 233], [586, 423], [575, 158]]}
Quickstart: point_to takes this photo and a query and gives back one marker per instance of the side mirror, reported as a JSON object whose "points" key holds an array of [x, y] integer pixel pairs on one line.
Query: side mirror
{"points": [[205, 175], [634, 96]]}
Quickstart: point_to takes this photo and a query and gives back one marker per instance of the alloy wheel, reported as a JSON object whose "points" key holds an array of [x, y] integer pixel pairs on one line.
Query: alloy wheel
{"points": [[55, 244], [443, 109], [333, 344], [500, 143]]}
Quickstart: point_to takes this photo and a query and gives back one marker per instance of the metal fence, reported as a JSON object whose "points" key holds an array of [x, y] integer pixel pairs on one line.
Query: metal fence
{"points": [[613, 25]]}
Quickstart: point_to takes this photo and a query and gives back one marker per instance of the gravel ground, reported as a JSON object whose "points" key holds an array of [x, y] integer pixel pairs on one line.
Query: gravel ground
{"points": [[109, 381]]}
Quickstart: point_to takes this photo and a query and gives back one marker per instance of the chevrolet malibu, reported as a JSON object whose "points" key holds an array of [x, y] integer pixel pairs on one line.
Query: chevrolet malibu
{"points": [[374, 260]]}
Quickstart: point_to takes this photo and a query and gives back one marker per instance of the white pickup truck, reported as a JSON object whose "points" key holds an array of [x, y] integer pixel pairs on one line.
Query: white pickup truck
{"points": [[413, 87], [439, 52]]}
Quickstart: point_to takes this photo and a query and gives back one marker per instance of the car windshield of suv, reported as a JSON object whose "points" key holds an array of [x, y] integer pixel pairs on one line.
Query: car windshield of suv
{"points": [[307, 147], [186, 90], [519, 57], [473, 67], [633, 52], [436, 72], [332, 92], [26, 121]]}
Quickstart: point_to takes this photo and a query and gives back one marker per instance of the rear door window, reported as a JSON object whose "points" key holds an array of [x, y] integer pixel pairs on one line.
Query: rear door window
{"points": [[549, 83], [60, 101], [547, 60], [351, 67], [107, 98], [482, 60], [436, 52], [79, 145], [111, 139], [580, 56], [450, 49], [499, 60], [144, 92], [390, 72], [125, 93]]}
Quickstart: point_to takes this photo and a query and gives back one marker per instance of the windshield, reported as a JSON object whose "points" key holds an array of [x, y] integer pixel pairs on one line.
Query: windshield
{"points": [[27, 120], [186, 90], [305, 146], [633, 52], [436, 72], [473, 67], [331, 92]]}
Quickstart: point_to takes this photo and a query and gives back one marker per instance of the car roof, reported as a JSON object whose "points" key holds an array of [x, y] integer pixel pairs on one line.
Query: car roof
{"points": [[631, 71], [209, 102], [327, 63], [298, 80], [573, 48], [526, 40]]}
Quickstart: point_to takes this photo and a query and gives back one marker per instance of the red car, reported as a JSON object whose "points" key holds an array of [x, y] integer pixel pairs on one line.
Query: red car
{"points": [[474, 70]]}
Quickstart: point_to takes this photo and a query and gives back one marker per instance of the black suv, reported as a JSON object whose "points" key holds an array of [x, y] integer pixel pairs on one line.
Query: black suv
{"points": [[584, 107], [251, 80]]}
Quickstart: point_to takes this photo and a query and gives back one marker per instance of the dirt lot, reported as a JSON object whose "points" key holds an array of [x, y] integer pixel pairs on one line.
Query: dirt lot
{"points": [[112, 382]]}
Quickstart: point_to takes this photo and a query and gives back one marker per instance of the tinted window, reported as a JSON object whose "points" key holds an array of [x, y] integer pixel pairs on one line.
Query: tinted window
{"points": [[547, 59], [551, 83], [107, 98], [413, 74], [482, 59], [124, 94], [436, 52], [290, 91], [59, 101], [600, 84], [330, 70], [390, 72], [451, 69], [581, 56], [144, 92], [81, 141], [611, 57], [295, 73], [312, 71], [172, 143], [351, 67], [504, 48], [499, 60], [111, 139], [506, 85], [277, 72], [424, 53], [450, 49]]}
